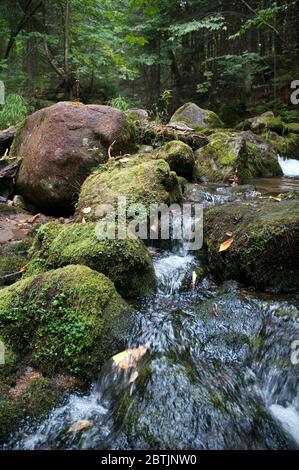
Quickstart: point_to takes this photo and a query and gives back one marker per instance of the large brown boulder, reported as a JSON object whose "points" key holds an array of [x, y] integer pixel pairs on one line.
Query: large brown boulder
{"points": [[59, 147]]}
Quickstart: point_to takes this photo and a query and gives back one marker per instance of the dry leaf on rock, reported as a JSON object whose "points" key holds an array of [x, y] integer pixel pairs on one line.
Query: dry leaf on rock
{"points": [[80, 426], [226, 245]]}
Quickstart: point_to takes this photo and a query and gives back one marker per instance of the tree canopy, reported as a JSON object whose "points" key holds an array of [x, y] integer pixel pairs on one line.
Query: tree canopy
{"points": [[234, 55]]}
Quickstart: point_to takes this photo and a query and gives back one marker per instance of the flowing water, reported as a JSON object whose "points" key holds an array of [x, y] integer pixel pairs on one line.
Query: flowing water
{"points": [[290, 167], [212, 368]]}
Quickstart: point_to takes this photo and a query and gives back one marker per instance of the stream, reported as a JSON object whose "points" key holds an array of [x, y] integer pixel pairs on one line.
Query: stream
{"points": [[211, 369]]}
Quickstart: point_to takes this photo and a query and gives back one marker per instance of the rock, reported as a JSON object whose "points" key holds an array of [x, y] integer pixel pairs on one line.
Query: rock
{"points": [[60, 145], [194, 116], [35, 399], [126, 262], [216, 378], [8, 171], [179, 156], [6, 139], [180, 126], [19, 202], [71, 319], [269, 122], [145, 149], [265, 246], [140, 114], [286, 146], [158, 134], [13, 257], [148, 182], [240, 154]]}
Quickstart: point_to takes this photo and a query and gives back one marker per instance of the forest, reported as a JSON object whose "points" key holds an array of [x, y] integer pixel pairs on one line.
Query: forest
{"points": [[236, 57], [149, 227]]}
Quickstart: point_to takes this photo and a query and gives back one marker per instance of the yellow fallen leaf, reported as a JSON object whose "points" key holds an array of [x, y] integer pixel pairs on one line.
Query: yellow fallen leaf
{"points": [[226, 245], [80, 426], [277, 199], [129, 358], [133, 377]]}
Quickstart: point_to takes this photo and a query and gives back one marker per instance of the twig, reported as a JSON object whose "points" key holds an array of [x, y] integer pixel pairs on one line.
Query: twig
{"points": [[110, 148]]}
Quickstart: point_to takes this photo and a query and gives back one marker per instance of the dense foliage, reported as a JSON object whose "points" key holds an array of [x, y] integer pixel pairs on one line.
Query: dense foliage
{"points": [[235, 56]]}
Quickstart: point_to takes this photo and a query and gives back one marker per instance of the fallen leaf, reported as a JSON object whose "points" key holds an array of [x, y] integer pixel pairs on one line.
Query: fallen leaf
{"points": [[133, 377], [129, 358], [124, 160], [86, 210], [226, 245], [23, 269], [83, 220], [229, 234], [33, 219], [277, 199], [80, 426]]}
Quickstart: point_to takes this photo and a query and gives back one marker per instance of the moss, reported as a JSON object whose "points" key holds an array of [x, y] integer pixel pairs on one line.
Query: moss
{"points": [[293, 128], [9, 369], [232, 153], [16, 140], [149, 182], [71, 319], [126, 262], [13, 257], [5, 209], [287, 146], [40, 397], [267, 122], [265, 247], [200, 273], [10, 418], [192, 115], [35, 402], [212, 120], [179, 156]]}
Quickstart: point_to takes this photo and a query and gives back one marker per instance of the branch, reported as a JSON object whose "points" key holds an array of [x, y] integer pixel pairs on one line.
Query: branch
{"points": [[255, 12], [52, 63], [27, 16]]}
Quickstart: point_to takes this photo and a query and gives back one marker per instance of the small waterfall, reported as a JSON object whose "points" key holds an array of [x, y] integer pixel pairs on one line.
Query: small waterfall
{"points": [[290, 167]]}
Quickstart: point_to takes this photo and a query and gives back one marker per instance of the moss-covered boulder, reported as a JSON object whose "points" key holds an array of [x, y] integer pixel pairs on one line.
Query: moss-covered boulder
{"points": [[126, 262], [287, 146], [148, 182], [13, 257], [34, 399], [179, 156], [269, 122], [196, 117], [236, 154], [265, 248], [71, 319]]}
